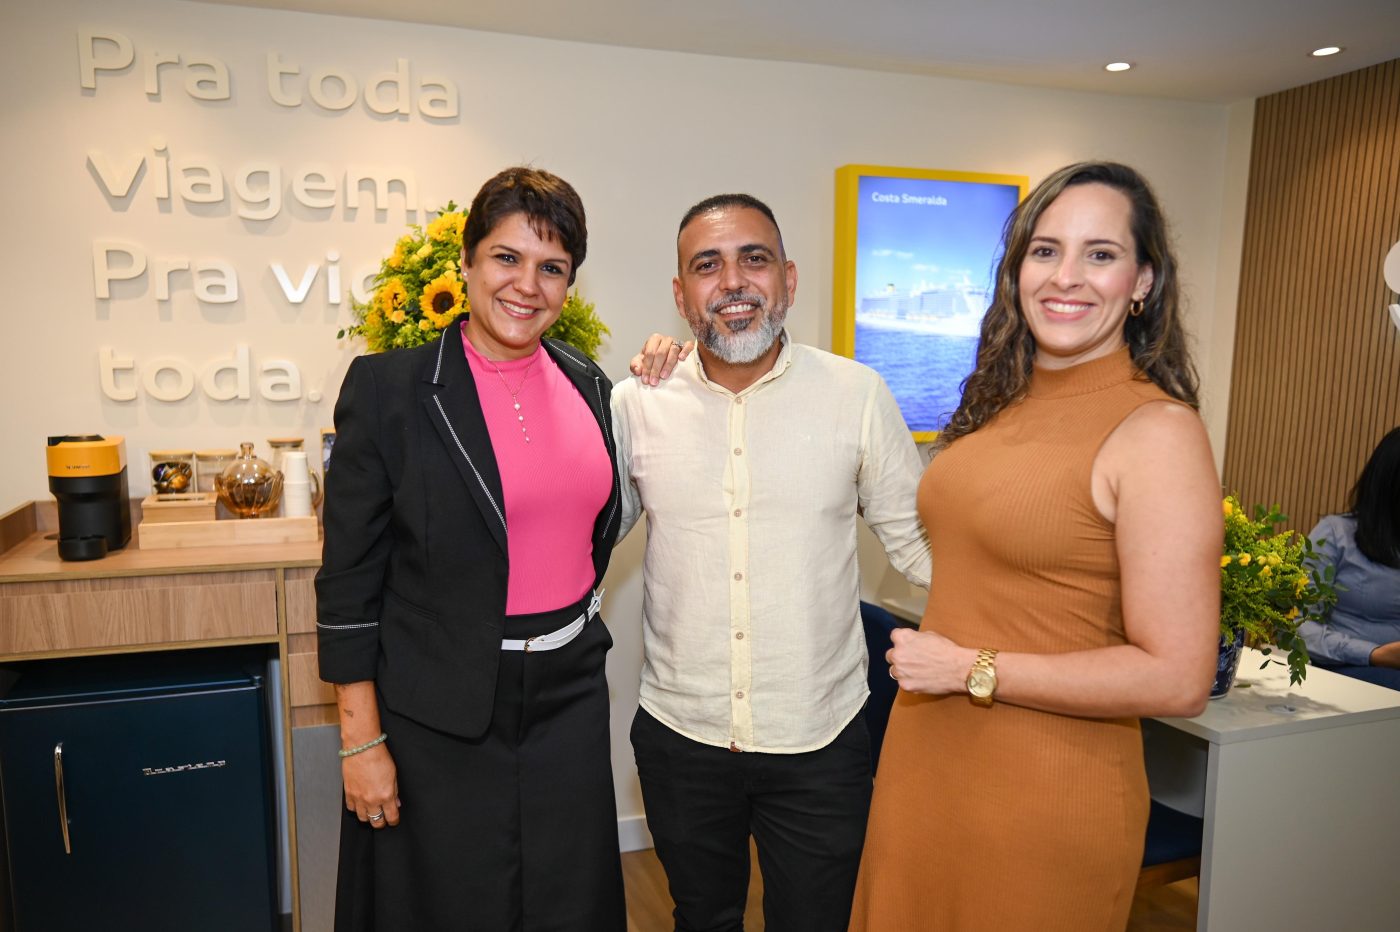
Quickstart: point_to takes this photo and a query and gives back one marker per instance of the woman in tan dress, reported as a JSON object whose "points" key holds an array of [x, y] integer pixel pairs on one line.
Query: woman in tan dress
{"points": [[1073, 510]]}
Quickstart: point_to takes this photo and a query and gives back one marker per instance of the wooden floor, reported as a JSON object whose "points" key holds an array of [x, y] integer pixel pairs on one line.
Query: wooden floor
{"points": [[1163, 909]]}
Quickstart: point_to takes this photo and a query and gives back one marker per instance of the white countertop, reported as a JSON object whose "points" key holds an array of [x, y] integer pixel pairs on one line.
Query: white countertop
{"points": [[1262, 704]]}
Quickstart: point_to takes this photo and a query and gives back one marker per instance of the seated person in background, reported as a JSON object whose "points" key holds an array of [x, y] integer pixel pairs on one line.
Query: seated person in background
{"points": [[1362, 638]]}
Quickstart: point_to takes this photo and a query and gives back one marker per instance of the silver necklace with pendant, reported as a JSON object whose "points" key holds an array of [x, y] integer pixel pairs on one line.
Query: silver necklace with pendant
{"points": [[515, 393]]}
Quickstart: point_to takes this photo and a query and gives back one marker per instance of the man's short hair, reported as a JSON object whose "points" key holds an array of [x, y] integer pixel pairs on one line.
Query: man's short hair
{"points": [[724, 202]]}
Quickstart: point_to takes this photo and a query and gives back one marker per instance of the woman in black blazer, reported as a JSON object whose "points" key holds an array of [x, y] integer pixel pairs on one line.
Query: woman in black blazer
{"points": [[471, 508]]}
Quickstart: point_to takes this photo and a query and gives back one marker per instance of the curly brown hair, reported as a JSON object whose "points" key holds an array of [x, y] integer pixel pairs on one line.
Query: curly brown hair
{"points": [[1006, 349]]}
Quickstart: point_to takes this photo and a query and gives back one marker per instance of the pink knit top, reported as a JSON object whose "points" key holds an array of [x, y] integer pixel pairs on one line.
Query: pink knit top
{"points": [[555, 483]]}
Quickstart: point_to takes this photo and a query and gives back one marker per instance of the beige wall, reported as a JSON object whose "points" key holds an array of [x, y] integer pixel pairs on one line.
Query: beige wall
{"points": [[641, 134]]}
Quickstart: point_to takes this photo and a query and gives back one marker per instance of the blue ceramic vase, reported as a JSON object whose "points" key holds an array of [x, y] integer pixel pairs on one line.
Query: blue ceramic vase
{"points": [[1226, 664]]}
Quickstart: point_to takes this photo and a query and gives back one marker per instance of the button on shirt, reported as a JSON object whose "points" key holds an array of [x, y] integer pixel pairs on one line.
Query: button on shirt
{"points": [[751, 614]]}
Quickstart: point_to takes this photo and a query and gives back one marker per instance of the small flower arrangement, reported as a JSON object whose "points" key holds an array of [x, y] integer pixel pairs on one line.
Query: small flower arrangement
{"points": [[420, 290], [1270, 584]]}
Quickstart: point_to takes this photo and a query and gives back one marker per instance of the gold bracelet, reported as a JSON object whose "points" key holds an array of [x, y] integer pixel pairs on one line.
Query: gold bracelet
{"points": [[351, 752]]}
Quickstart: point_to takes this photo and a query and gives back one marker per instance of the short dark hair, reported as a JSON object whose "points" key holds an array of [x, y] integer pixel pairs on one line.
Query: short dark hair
{"points": [[724, 202], [550, 203], [1375, 503]]}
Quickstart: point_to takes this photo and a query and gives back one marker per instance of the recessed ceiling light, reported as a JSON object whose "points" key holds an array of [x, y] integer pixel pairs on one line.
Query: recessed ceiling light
{"points": [[1123, 65], [1326, 50]]}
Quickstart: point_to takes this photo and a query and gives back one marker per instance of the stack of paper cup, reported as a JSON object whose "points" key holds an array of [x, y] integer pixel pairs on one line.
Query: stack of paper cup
{"points": [[296, 485]]}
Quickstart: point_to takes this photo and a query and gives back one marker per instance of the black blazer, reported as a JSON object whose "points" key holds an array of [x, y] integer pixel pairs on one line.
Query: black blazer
{"points": [[412, 587]]}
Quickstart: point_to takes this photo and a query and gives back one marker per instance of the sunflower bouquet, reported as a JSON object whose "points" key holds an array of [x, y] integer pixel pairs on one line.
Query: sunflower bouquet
{"points": [[420, 290], [1270, 583]]}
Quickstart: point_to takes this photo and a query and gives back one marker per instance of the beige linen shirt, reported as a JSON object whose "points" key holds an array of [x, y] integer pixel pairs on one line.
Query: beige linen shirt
{"points": [[751, 615]]}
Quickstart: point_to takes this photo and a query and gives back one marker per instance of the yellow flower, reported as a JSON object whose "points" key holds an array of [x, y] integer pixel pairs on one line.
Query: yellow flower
{"points": [[1244, 559], [442, 300], [391, 296], [424, 324], [397, 316], [447, 227], [1224, 561], [1293, 612], [1275, 559], [1266, 571], [425, 251], [400, 249], [1229, 509]]}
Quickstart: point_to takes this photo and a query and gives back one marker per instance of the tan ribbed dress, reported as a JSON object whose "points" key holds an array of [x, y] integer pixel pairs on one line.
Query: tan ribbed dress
{"points": [[1005, 818]]}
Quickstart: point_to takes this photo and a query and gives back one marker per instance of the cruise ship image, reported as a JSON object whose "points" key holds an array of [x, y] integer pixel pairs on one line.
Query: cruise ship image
{"points": [[933, 309]]}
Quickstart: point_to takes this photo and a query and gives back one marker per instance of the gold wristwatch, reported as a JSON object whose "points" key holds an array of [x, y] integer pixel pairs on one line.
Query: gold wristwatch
{"points": [[982, 678]]}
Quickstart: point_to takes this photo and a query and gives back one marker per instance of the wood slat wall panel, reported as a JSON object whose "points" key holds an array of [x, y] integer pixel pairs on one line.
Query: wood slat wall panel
{"points": [[1316, 378]]}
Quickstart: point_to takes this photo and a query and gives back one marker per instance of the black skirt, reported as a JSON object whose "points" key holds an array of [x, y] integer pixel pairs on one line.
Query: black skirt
{"points": [[515, 831]]}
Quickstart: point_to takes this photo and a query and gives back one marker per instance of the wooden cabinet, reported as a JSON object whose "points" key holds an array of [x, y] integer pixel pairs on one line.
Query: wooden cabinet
{"points": [[312, 701], [136, 612], [134, 600]]}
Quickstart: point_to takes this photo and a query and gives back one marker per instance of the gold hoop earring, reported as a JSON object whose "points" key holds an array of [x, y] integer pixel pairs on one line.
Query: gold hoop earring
{"points": [[1135, 308]]}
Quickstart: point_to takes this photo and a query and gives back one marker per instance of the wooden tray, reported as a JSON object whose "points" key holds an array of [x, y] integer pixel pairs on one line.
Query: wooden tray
{"points": [[192, 506], [167, 535]]}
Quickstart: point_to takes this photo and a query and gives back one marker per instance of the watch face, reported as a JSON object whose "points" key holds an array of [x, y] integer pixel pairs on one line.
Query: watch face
{"points": [[981, 683]]}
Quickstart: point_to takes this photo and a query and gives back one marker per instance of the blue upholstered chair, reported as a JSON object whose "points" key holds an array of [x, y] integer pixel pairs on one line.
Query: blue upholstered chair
{"points": [[1173, 850], [878, 625]]}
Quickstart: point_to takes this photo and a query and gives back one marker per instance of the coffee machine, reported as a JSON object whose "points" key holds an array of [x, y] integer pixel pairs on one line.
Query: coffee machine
{"points": [[87, 474]]}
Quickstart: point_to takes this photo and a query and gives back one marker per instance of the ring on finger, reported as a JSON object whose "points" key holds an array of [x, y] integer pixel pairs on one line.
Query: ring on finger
{"points": [[378, 816]]}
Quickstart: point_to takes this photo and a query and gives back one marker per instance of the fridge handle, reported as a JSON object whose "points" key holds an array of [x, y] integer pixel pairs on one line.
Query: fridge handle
{"points": [[62, 796]]}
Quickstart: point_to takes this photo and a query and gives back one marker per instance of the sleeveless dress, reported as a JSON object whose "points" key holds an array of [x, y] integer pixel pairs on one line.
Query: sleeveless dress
{"points": [[1007, 818]]}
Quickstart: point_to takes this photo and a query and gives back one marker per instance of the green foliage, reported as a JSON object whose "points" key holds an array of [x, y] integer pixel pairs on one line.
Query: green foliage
{"points": [[579, 326], [419, 290], [1270, 584]]}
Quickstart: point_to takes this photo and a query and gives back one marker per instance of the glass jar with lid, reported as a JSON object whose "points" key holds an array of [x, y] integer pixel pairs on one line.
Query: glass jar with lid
{"points": [[249, 488], [283, 445], [209, 465], [172, 472]]}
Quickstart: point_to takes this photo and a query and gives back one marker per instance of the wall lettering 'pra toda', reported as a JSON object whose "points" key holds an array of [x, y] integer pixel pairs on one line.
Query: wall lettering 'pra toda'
{"points": [[255, 190]]}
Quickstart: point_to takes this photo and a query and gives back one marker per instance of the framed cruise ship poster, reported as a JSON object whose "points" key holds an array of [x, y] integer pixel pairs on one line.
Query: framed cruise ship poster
{"points": [[916, 254]]}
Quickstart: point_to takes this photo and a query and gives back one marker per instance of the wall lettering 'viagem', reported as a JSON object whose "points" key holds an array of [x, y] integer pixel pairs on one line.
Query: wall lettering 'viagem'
{"points": [[258, 190]]}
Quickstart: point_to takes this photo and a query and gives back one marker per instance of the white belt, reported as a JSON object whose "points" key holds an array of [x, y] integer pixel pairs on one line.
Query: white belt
{"points": [[557, 639]]}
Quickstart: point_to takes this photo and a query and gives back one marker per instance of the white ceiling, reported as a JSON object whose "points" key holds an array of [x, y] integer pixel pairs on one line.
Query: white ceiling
{"points": [[1205, 50]]}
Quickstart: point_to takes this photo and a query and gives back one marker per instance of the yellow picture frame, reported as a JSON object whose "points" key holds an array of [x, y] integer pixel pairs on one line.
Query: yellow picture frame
{"points": [[934, 198]]}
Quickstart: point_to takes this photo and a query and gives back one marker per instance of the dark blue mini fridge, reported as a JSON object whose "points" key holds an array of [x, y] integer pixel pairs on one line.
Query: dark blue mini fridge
{"points": [[138, 793]]}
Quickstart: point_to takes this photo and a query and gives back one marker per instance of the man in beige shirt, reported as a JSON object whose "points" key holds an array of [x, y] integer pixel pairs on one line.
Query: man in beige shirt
{"points": [[752, 463]]}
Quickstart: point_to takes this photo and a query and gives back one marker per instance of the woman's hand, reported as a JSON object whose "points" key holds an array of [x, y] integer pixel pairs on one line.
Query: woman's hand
{"points": [[658, 358], [927, 662], [371, 786], [1387, 655], [371, 779]]}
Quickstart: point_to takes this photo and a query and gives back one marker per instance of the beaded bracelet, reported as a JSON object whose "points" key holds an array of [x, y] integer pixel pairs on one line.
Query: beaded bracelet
{"points": [[351, 752]]}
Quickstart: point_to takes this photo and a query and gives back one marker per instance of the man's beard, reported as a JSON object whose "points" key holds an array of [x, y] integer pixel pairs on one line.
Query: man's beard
{"points": [[739, 347]]}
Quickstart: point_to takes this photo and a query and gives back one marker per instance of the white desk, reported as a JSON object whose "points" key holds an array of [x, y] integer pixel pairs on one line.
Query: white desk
{"points": [[1300, 791]]}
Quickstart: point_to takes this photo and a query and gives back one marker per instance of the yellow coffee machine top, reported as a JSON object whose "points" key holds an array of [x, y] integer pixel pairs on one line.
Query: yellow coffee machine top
{"points": [[87, 474], [86, 455]]}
